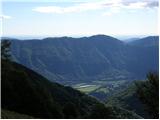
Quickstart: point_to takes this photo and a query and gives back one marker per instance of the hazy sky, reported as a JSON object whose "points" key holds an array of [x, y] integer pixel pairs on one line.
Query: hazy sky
{"points": [[79, 17]]}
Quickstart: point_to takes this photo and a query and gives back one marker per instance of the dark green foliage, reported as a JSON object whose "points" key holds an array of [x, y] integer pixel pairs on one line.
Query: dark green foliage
{"points": [[24, 93], [148, 93], [5, 50], [100, 112], [5, 114], [70, 111], [129, 100]]}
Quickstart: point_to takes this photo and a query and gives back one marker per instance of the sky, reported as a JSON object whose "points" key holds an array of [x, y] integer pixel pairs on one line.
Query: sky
{"points": [[78, 17]]}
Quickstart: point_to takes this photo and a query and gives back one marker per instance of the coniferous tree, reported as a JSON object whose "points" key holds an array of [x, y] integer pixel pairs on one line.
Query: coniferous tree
{"points": [[5, 50]]}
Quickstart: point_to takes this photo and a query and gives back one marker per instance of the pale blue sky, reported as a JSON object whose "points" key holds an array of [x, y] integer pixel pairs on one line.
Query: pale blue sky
{"points": [[70, 18]]}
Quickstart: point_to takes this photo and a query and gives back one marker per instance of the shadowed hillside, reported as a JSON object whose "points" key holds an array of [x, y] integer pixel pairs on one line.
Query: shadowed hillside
{"points": [[26, 94]]}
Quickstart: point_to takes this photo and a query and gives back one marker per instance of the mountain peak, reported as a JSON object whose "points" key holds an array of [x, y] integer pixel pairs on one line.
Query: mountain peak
{"points": [[101, 36]]}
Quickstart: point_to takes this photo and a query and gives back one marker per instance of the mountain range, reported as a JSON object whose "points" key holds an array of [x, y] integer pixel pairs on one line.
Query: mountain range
{"points": [[70, 60]]}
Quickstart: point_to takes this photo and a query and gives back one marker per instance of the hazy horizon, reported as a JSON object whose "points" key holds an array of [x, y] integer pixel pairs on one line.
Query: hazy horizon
{"points": [[120, 37]]}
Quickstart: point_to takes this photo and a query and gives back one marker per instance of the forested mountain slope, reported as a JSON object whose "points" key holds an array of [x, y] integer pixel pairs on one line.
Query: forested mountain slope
{"points": [[74, 60], [26, 93], [128, 99]]}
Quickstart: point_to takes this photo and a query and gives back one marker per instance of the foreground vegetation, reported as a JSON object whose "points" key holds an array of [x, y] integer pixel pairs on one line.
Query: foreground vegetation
{"points": [[148, 93], [142, 97], [26, 92]]}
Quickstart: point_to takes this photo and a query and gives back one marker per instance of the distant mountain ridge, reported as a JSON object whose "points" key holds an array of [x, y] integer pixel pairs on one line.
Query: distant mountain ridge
{"points": [[147, 41], [68, 60]]}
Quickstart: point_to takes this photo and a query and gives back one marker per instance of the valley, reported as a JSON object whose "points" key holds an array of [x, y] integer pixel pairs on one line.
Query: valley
{"points": [[102, 89], [86, 75]]}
